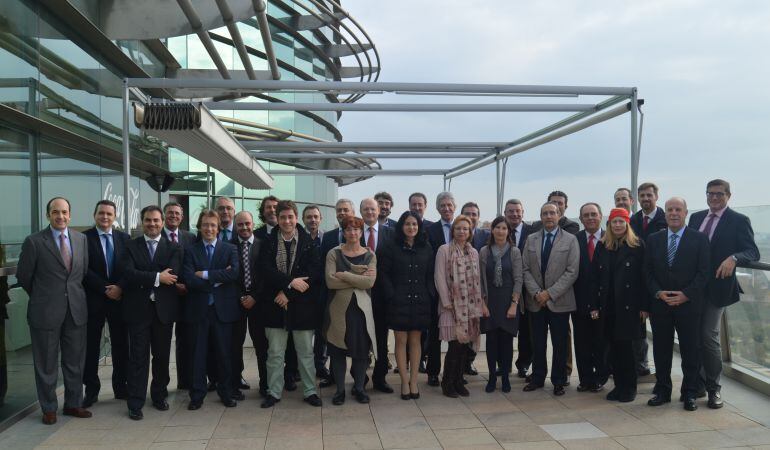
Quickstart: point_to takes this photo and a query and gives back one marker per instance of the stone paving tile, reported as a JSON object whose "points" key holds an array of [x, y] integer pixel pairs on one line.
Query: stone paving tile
{"points": [[453, 422], [750, 436], [655, 441], [705, 439], [543, 445], [577, 430], [591, 444], [348, 425], [616, 422], [236, 444], [466, 438], [186, 433], [421, 438], [519, 433], [368, 441]]}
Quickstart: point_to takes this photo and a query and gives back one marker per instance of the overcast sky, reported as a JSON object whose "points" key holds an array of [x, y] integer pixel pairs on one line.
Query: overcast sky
{"points": [[702, 67]]}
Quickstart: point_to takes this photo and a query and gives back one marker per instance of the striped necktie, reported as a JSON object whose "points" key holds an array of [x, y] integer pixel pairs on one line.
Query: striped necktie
{"points": [[672, 246]]}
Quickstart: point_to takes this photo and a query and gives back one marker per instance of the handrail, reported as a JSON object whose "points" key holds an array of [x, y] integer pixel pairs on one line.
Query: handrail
{"points": [[756, 265]]}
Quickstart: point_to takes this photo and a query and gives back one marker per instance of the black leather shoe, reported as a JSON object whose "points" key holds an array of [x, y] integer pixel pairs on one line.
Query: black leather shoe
{"points": [[269, 402], [613, 395], [89, 400], [322, 373], [505, 384], [597, 387], [244, 385], [433, 380], [690, 404], [528, 378], [658, 400], [263, 392], [135, 414], [643, 372], [160, 405], [339, 398], [313, 400], [229, 402], [699, 394], [627, 397], [326, 382], [715, 400], [212, 386], [194, 405], [383, 386], [470, 370], [290, 385], [238, 395], [529, 387], [583, 388], [360, 396], [491, 385], [422, 368], [521, 373], [566, 383], [558, 390]]}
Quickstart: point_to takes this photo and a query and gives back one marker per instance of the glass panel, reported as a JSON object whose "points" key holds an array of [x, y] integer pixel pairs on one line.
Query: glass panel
{"points": [[748, 322]]}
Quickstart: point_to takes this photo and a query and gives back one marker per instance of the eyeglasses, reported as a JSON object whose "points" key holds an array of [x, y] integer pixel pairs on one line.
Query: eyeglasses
{"points": [[715, 194]]}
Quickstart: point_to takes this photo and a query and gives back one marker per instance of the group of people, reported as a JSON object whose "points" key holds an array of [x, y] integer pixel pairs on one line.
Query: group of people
{"points": [[308, 298]]}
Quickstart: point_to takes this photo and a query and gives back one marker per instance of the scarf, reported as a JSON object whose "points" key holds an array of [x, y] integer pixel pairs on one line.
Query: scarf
{"points": [[497, 257], [282, 261], [465, 285]]}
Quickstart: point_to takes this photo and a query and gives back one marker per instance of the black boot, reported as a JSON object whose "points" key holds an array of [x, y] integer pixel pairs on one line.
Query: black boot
{"points": [[450, 372], [463, 360]]}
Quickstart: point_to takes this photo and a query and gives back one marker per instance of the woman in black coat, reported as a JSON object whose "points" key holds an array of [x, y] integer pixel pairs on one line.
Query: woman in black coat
{"points": [[405, 276], [623, 299]]}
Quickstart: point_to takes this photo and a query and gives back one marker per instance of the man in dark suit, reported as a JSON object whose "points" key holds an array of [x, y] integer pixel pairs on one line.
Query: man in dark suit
{"points": [[677, 268], [731, 241], [311, 219], [105, 249], [418, 203], [648, 220], [385, 201], [225, 207], [211, 269], [173, 215], [590, 345], [376, 236], [479, 238], [438, 235], [51, 269], [514, 217], [559, 198], [623, 198], [250, 283], [151, 266]]}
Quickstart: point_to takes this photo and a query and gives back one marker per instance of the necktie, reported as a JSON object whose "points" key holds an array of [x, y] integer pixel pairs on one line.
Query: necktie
{"points": [[225, 234], [591, 247], [645, 223], [546, 254], [446, 233], [710, 225], [672, 245], [110, 253], [151, 248], [209, 252], [173, 237], [370, 240], [245, 246], [66, 255], [513, 237]]}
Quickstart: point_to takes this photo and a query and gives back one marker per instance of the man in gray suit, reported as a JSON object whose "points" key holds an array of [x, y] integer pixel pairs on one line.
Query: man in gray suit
{"points": [[551, 261], [52, 267]]}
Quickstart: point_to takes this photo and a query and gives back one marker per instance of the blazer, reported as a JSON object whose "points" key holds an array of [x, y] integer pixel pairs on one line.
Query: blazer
{"points": [[389, 223], [302, 311], [622, 289], [139, 273], [587, 283], [526, 230], [384, 235], [330, 240], [656, 224], [480, 239], [261, 232], [256, 280], [96, 277], [560, 275], [51, 288], [733, 236], [222, 281], [689, 273], [565, 224], [436, 235], [184, 237]]}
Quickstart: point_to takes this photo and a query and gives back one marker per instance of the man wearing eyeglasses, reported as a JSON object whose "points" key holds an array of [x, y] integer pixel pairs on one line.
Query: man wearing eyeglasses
{"points": [[731, 242]]}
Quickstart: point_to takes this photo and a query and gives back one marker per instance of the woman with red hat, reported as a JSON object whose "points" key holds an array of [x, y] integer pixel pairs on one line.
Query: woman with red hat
{"points": [[623, 299]]}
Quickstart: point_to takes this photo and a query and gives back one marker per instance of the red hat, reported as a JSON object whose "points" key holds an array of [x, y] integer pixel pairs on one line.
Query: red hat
{"points": [[620, 212]]}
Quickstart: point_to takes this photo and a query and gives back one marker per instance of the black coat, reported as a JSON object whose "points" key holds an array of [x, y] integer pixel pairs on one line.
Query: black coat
{"points": [[587, 283], [96, 277], [733, 236], [405, 280], [138, 282], [689, 272], [302, 312], [622, 290], [653, 226]]}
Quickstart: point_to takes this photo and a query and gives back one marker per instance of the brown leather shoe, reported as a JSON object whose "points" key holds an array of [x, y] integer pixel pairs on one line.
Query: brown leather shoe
{"points": [[49, 418], [80, 413]]}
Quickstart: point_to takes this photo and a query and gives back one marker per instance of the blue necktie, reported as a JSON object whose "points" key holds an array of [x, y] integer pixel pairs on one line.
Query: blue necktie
{"points": [[546, 254], [447, 233], [110, 253], [672, 246], [151, 248], [210, 255]]}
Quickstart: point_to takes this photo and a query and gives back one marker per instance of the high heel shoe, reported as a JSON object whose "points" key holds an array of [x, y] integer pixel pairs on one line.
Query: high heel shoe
{"points": [[407, 396], [414, 395]]}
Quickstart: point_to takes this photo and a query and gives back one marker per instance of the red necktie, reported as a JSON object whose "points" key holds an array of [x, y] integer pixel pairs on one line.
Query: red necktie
{"points": [[646, 222], [591, 247], [370, 240]]}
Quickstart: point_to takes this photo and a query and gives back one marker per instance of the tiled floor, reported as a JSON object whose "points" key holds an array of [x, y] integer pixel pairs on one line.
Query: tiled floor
{"points": [[526, 420]]}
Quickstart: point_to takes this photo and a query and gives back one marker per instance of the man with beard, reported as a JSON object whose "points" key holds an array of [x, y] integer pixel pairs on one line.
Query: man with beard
{"points": [[385, 201]]}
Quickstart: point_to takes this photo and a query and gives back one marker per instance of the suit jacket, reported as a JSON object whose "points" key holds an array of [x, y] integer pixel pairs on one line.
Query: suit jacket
{"points": [[184, 237], [52, 289], [302, 312], [689, 272], [526, 230], [224, 269], [560, 275], [389, 223], [261, 233], [330, 240], [565, 224], [426, 223], [480, 239], [733, 236], [436, 235], [139, 273], [384, 235], [587, 283], [656, 224], [96, 277]]}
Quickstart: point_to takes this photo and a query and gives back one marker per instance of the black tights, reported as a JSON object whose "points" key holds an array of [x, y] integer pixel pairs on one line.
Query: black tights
{"points": [[499, 348], [339, 367]]}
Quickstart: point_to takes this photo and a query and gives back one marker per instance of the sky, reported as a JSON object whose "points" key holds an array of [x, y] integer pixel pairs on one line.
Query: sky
{"points": [[702, 68]]}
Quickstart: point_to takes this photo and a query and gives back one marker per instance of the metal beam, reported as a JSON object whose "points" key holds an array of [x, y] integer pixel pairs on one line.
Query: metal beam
{"points": [[279, 155], [331, 146], [126, 162], [235, 34], [392, 107], [634, 151], [311, 86], [195, 23], [357, 173], [260, 6]]}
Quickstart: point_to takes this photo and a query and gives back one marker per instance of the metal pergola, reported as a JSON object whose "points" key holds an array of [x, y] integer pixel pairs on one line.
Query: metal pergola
{"points": [[616, 101]]}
